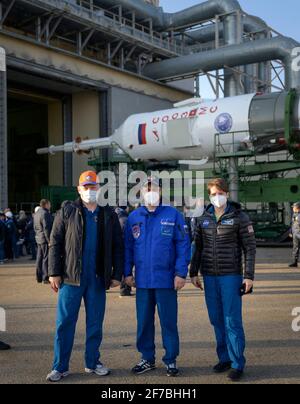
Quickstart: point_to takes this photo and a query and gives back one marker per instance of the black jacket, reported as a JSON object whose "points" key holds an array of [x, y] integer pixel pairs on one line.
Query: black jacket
{"points": [[66, 244], [43, 222], [220, 246]]}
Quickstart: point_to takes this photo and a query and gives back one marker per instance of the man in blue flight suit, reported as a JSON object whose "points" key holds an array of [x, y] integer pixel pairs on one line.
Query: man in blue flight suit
{"points": [[86, 259], [157, 244]]}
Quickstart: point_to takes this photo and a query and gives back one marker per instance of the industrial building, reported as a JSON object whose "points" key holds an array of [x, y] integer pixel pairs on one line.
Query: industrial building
{"points": [[76, 69], [69, 70]]}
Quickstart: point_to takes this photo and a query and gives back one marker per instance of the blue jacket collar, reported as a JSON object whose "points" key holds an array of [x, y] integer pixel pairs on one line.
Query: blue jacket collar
{"points": [[146, 212]]}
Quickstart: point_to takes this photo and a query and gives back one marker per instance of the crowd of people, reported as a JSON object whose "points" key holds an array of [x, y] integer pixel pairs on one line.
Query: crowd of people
{"points": [[17, 236]]}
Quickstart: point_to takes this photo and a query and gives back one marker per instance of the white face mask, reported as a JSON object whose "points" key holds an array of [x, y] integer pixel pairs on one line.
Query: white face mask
{"points": [[152, 198], [89, 196], [219, 200]]}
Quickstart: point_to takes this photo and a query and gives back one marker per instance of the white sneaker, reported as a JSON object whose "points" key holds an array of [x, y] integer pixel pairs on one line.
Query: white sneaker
{"points": [[56, 376], [99, 371]]}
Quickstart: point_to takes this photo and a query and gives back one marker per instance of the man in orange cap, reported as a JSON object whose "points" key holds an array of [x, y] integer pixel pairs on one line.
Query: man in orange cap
{"points": [[83, 264]]}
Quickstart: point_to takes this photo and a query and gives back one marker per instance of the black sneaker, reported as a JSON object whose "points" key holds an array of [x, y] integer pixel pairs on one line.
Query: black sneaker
{"points": [[125, 293], [294, 265], [235, 375], [172, 370], [222, 367], [4, 347], [143, 367]]}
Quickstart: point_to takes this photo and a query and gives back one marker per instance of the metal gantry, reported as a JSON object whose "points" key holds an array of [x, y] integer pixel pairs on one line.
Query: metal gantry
{"points": [[111, 36], [116, 37]]}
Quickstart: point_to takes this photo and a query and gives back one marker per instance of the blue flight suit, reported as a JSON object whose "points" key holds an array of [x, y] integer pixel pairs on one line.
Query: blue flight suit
{"points": [[157, 244], [92, 291]]}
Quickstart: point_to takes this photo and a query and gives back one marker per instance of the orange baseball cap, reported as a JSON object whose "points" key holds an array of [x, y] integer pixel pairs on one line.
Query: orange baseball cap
{"points": [[88, 178]]}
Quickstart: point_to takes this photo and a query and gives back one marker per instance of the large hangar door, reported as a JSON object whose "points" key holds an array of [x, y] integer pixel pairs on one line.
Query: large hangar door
{"points": [[27, 131]]}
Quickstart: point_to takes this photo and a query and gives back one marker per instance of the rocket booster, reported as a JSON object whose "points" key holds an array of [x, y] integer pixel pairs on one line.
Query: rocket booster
{"points": [[264, 123]]}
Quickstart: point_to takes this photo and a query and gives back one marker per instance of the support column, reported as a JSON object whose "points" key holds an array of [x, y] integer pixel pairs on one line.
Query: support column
{"points": [[104, 126], [233, 24], [3, 132], [249, 82], [68, 137], [264, 69], [232, 36]]}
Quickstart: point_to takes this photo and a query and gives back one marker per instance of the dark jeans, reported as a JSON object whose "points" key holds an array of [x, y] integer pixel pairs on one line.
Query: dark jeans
{"points": [[166, 302], [42, 263], [224, 305], [69, 301], [9, 254], [32, 249], [2, 252]]}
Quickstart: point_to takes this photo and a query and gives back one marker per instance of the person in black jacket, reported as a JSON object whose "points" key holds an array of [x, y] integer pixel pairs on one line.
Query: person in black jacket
{"points": [[86, 259], [11, 250], [30, 237], [224, 237], [43, 222]]}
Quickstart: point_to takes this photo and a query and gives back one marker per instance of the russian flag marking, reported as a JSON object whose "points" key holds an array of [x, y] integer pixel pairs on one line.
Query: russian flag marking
{"points": [[142, 134]]}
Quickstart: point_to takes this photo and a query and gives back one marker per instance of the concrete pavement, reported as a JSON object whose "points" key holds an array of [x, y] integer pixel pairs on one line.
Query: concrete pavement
{"points": [[273, 350]]}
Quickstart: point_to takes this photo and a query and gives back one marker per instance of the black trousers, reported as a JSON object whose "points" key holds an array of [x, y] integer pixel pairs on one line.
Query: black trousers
{"points": [[42, 263]]}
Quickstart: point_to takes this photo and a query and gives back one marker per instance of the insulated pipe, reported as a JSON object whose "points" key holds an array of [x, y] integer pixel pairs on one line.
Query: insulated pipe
{"points": [[249, 82], [232, 87], [263, 50], [166, 21], [204, 11], [251, 24], [142, 10], [232, 36]]}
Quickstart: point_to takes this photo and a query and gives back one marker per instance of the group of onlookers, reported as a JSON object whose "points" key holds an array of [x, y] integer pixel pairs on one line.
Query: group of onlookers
{"points": [[17, 237]]}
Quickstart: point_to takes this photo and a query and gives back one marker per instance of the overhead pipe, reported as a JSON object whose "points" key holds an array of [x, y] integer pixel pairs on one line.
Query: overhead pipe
{"points": [[167, 21], [262, 50], [251, 24]]}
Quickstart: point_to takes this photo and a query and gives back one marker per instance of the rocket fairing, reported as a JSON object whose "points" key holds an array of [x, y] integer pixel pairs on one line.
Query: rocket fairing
{"points": [[188, 131]]}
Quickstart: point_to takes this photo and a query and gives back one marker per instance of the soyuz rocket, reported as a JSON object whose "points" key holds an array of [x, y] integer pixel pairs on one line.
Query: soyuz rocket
{"points": [[261, 123]]}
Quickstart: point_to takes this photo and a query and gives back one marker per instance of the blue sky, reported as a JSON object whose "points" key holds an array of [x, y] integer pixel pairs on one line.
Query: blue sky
{"points": [[284, 16]]}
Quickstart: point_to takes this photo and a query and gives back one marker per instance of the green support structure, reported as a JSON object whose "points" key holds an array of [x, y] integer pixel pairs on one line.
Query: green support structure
{"points": [[276, 190]]}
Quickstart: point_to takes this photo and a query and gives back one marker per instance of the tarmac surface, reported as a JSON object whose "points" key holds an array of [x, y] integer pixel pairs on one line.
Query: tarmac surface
{"points": [[273, 350]]}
